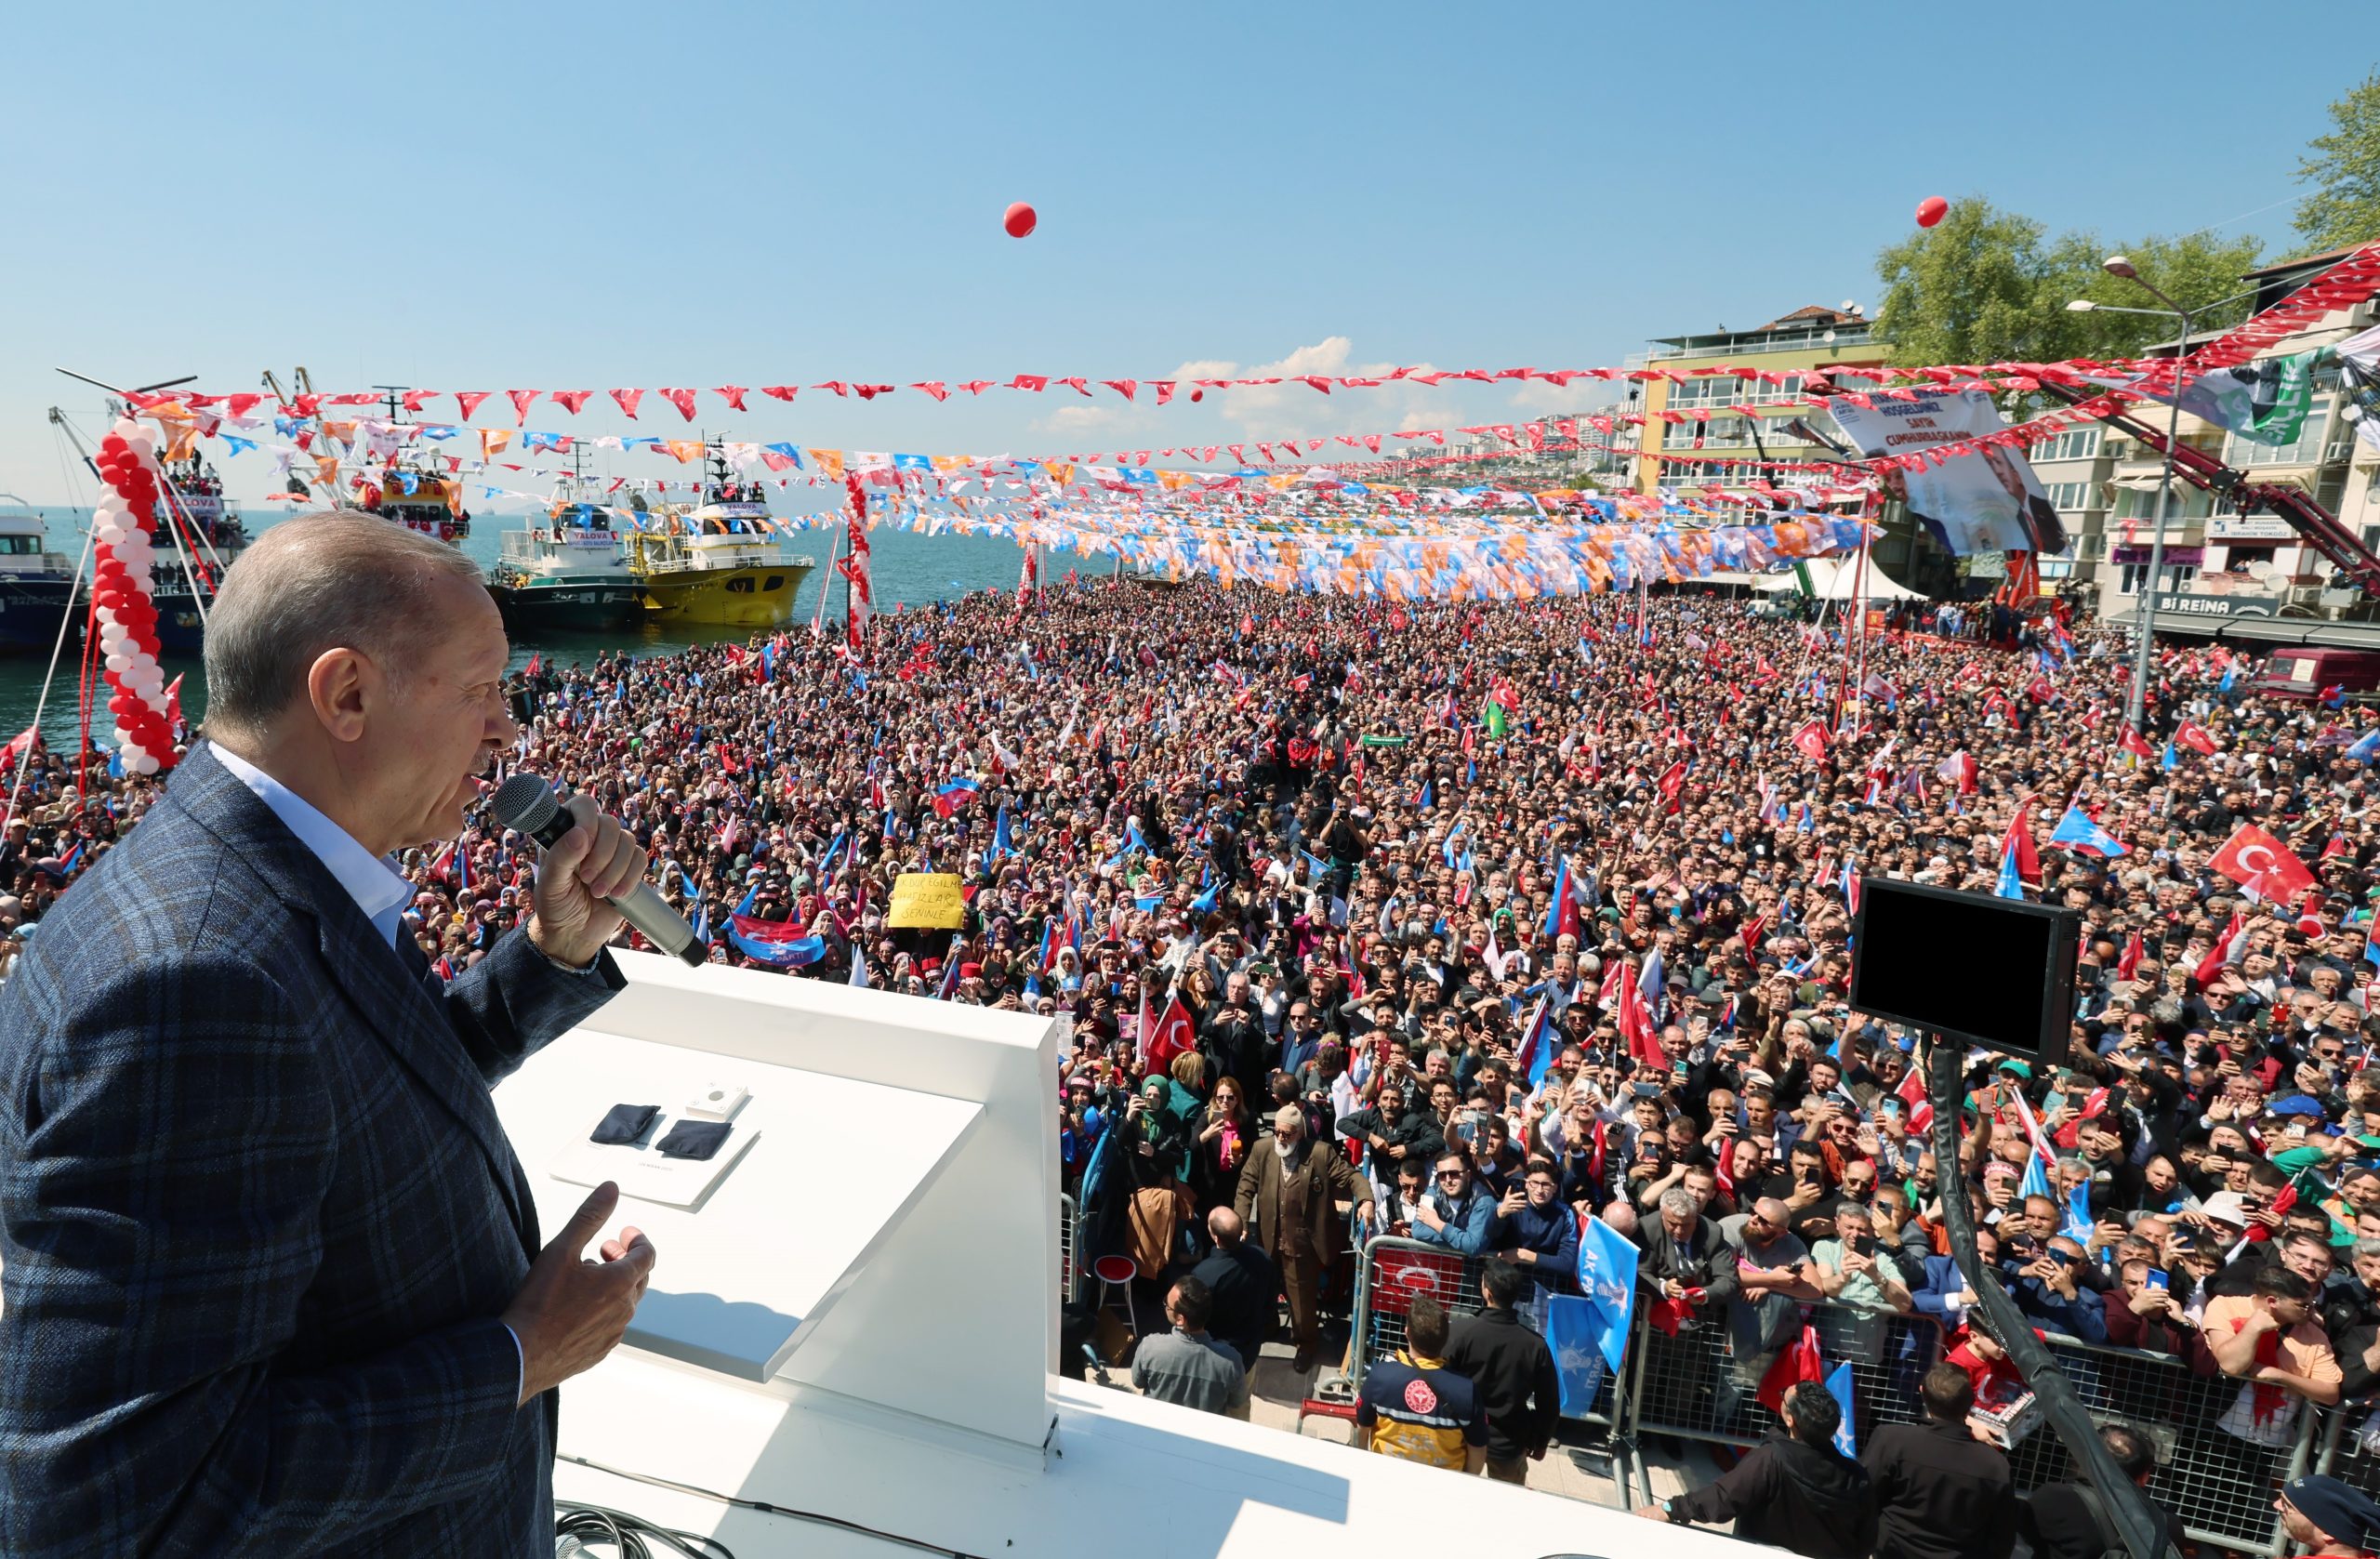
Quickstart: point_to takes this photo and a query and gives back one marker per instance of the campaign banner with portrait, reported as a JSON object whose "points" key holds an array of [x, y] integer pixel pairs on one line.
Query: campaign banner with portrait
{"points": [[1986, 502]]}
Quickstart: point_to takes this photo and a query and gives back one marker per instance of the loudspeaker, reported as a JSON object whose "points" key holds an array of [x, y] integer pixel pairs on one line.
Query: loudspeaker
{"points": [[1991, 972]]}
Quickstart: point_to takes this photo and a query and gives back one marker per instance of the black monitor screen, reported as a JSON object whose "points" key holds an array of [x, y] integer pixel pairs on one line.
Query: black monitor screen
{"points": [[1993, 972]]}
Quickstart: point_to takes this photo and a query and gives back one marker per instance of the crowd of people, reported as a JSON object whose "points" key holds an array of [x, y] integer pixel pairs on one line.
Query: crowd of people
{"points": [[1357, 846]]}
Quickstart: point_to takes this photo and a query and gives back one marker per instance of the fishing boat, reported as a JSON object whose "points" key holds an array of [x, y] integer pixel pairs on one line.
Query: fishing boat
{"points": [[207, 524], [37, 585], [722, 562], [415, 498], [567, 570]]}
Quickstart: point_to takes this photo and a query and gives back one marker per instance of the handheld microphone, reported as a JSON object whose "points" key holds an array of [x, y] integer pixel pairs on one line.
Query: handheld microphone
{"points": [[526, 802]]}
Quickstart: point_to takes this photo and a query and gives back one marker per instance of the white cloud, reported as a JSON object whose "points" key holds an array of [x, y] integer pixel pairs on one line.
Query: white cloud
{"points": [[1079, 419]]}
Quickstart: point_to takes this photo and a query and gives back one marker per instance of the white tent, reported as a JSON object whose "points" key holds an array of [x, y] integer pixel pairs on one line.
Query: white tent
{"points": [[1838, 580]]}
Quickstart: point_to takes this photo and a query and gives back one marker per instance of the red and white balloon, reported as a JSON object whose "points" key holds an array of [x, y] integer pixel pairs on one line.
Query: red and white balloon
{"points": [[124, 605]]}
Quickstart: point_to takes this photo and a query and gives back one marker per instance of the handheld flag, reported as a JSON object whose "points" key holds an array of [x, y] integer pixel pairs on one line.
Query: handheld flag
{"points": [[953, 794], [2078, 830], [2262, 864], [2012, 883], [1608, 1279], [1174, 1034], [1838, 1386], [1535, 1052]]}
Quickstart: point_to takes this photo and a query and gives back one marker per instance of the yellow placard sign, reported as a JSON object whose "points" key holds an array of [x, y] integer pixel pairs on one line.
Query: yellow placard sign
{"points": [[928, 901]]}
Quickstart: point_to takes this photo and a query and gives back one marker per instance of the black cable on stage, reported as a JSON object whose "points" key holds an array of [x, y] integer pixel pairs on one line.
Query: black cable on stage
{"points": [[762, 1506]]}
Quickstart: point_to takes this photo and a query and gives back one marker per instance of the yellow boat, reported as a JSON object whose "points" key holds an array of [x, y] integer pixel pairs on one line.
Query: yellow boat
{"points": [[723, 563]]}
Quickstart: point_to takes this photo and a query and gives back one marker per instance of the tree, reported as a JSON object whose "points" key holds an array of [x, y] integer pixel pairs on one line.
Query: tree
{"points": [[1984, 286], [2194, 271], [2345, 168], [1964, 290]]}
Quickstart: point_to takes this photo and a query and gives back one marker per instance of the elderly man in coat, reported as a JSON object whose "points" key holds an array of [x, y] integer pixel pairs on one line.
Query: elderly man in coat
{"points": [[1290, 1190]]}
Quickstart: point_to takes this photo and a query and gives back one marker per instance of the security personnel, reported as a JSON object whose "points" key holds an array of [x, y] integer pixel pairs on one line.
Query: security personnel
{"points": [[1415, 1408]]}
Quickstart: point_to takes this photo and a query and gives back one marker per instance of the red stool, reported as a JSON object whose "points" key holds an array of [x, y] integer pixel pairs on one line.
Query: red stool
{"points": [[1117, 1272]]}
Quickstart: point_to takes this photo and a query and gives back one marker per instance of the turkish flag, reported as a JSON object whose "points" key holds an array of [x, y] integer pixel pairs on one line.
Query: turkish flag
{"points": [[1811, 740], [2135, 744], [1172, 1034], [2264, 865], [1798, 1362], [1672, 782], [2195, 738]]}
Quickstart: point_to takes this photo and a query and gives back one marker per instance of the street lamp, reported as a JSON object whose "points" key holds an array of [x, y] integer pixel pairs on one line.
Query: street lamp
{"points": [[2145, 612]]}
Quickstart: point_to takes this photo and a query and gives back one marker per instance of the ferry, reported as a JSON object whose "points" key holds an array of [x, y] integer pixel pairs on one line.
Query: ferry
{"points": [[37, 585], [567, 570], [723, 562]]}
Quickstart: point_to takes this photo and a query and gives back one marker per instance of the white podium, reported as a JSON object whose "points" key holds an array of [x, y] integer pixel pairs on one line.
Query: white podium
{"points": [[849, 1341]]}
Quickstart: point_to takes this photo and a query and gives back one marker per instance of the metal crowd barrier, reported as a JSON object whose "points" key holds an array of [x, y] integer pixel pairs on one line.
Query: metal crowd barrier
{"points": [[2220, 1484], [1069, 1269], [1394, 1272], [1698, 1385]]}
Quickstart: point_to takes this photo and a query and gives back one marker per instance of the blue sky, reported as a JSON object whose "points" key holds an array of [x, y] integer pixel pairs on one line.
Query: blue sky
{"points": [[498, 195]]}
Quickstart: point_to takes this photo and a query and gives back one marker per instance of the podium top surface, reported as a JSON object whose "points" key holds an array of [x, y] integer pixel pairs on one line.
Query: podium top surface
{"points": [[757, 1243]]}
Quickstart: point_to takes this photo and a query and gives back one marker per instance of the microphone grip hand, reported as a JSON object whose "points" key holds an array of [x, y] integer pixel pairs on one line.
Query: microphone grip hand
{"points": [[571, 1312], [594, 862]]}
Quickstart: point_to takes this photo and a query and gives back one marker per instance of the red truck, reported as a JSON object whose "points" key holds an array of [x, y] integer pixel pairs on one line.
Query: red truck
{"points": [[2307, 673]]}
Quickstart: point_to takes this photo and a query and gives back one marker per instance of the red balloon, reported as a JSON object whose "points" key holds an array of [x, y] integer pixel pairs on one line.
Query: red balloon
{"points": [[1197, 395], [1019, 220], [1932, 209]]}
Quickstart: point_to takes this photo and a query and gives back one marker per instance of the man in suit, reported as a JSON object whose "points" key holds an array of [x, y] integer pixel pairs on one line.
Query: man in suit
{"points": [[1290, 1188], [272, 1275], [1243, 1282], [1940, 1493]]}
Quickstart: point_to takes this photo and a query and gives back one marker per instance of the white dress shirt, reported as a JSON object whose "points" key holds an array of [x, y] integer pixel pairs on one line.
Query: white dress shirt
{"points": [[372, 880]]}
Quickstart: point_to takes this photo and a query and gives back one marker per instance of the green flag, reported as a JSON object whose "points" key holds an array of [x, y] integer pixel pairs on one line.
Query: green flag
{"points": [[2264, 402], [1492, 717]]}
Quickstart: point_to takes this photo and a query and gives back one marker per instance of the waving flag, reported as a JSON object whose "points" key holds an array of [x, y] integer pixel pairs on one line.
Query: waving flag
{"points": [[953, 794], [1608, 1280], [2135, 744], [778, 944], [2229, 948], [1810, 740], [1562, 914], [1577, 1335], [1172, 1034], [1002, 848], [1673, 783], [2012, 882], [1838, 1386], [2262, 864], [2133, 951], [1535, 1052], [23, 741], [2078, 830], [2366, 746], [2195, 738], [2017, 843]]}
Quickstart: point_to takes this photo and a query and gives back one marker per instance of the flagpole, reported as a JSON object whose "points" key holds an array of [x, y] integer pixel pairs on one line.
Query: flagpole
{"points": [[826, 585], [2127, 1510], [1866, 543]]}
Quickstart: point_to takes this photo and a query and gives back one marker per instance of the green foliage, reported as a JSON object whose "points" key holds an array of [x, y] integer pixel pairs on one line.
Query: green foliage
{"points": [[1987, 286], [1964, 290], [2345, 167]]}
